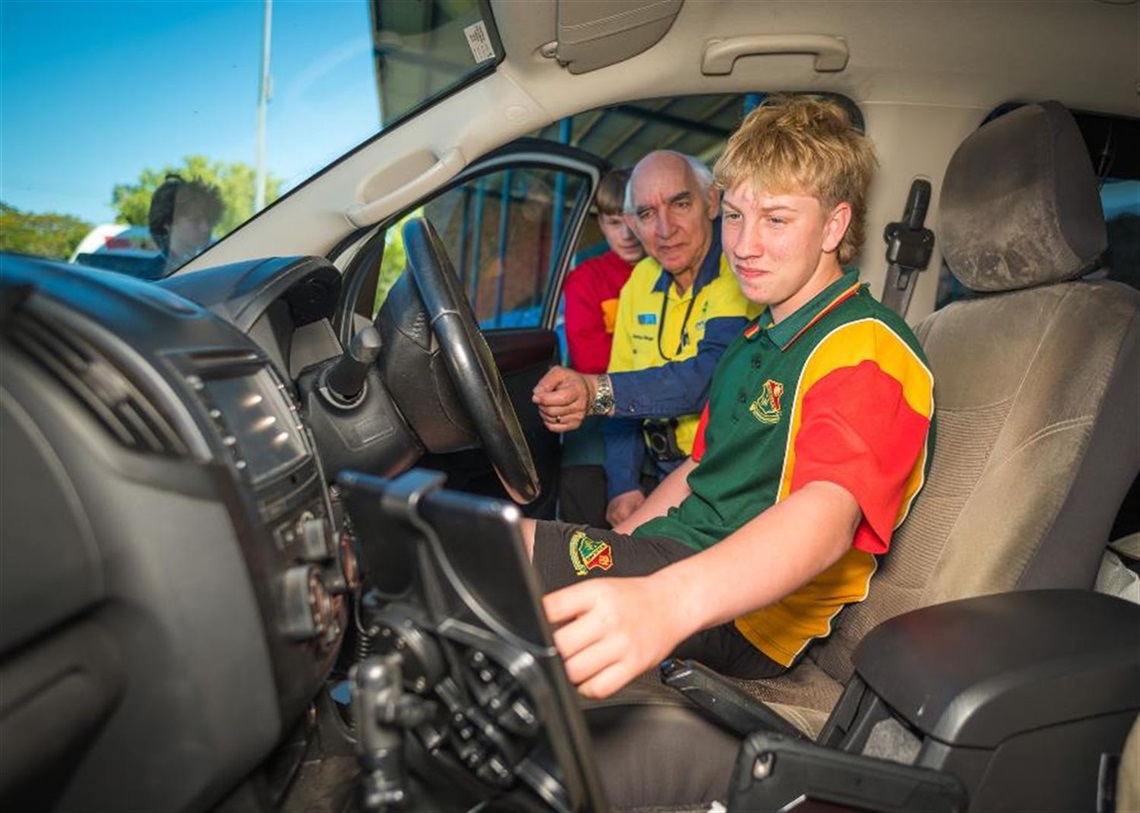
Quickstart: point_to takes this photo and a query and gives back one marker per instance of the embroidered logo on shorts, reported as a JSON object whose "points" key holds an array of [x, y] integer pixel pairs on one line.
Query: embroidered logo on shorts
{"points": [[586, 554], [766, 408]]}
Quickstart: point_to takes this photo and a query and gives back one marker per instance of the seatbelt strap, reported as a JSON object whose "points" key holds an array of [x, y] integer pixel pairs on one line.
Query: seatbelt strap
{"points": [[909, 246]]}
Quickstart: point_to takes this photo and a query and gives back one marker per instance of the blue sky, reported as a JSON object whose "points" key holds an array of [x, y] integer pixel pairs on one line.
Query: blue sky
{"points": [[92, 93]]}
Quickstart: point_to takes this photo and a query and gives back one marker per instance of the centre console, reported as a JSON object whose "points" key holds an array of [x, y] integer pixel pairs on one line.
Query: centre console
{"points": [[1016, 701]]}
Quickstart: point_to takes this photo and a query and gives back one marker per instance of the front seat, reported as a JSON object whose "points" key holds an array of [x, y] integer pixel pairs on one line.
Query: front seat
{"points": [[1037, 394]]}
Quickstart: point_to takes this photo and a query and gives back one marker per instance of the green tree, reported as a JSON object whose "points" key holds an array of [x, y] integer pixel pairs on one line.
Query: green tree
{"points": [[44, 235], [235, 183], [390, 267], [395, 258]]}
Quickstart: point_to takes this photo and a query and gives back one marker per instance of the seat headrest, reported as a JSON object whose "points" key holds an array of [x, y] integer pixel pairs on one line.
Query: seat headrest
{"points": [[1020, 205]]}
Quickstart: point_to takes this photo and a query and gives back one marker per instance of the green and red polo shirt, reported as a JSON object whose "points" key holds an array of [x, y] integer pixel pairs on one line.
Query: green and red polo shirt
{"points": [[839, 391]]}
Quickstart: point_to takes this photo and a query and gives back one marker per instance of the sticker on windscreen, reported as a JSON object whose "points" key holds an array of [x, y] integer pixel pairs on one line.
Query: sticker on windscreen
{"points": [[479, 42]]}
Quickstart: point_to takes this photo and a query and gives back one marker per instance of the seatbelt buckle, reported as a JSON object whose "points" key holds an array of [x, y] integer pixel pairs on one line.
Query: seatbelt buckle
{"points": [[909, 244]]}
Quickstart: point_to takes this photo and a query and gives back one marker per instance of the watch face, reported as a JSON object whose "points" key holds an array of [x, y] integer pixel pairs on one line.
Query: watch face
{"points": [[603, 398]]}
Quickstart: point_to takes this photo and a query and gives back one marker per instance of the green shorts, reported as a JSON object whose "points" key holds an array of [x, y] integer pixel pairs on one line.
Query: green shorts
{"points": [[565, 553]]}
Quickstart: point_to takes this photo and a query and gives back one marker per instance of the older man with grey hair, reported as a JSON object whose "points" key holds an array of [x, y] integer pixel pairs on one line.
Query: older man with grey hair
{"points": [[676, 315]]}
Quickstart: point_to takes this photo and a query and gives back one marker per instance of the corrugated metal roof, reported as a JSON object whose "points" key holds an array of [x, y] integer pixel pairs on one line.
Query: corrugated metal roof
{"points": [[624, 133]]}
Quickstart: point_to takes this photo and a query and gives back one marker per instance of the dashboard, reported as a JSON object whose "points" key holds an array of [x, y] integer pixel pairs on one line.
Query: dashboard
{"points": [[175, 565]]}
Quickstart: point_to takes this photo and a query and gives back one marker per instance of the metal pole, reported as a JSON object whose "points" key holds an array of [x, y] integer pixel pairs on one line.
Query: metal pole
{"points": [[565, 127], [477, 243], [263, 94], [464, 235], [504, 235]]}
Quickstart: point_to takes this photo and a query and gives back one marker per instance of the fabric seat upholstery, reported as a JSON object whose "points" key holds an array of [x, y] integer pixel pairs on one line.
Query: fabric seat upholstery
{"points": [[1037, 398], [1037, 394]]}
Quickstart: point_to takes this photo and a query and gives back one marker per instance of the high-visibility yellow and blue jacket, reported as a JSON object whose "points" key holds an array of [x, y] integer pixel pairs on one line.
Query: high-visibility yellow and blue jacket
{"points": [[665, 348]]}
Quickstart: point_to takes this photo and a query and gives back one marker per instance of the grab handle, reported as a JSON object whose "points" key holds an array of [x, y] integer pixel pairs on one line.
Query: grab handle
{"points": [[720, 55], [443, 170]]}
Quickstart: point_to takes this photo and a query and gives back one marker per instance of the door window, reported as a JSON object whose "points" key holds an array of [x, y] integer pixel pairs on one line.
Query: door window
{"points": [[505, 232]]}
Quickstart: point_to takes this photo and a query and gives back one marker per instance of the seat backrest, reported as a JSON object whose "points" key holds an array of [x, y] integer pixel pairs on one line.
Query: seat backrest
{"points": [[1037, 385]]}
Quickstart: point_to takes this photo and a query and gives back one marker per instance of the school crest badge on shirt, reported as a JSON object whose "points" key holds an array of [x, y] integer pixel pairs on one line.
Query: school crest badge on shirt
{"points": [[587, 554], [766, 408]]}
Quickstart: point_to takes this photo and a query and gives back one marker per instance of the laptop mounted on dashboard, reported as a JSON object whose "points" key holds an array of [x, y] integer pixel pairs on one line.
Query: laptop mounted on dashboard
{"points": [[451, 603]]}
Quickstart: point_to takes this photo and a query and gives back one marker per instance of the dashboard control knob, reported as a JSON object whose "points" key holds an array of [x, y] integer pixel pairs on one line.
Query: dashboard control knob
{"points": [[333, 579], [348, 566], [316, 542], [305, 604], [340, 574]]}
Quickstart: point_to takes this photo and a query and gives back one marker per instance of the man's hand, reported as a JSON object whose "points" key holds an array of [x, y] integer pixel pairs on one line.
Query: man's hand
{"points": [[564, 398], [609, 631], [622, 506]]}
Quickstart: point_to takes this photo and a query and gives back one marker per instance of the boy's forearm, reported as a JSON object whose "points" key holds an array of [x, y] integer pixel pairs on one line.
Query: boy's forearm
{"points": [[769, 558], [670, 492]]}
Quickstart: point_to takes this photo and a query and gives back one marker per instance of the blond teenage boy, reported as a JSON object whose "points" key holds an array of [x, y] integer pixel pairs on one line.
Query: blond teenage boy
{"points": [[809, 454]]}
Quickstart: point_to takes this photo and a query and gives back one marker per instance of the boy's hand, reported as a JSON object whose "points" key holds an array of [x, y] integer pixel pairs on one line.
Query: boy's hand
{"points": [[621, 507], [564, 398], [609, 631]]}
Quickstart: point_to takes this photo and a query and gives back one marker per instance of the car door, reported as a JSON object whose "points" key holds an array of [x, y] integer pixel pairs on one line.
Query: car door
{"points": [[510, 223]]}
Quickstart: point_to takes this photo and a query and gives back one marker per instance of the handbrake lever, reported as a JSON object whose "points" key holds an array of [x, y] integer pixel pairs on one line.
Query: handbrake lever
{"points": [[726, 704]]}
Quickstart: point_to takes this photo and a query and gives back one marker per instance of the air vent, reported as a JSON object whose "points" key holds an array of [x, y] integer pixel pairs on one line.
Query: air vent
{"points": [[109, 395]]}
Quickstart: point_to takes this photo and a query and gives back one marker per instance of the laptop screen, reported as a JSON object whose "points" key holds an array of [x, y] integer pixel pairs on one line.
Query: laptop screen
{"points": [[453, 595]]}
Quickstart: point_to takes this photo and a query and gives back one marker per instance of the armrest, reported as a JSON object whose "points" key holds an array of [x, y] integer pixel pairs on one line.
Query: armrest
{"points": [[977, 671], [726, 704], [774, 773]]}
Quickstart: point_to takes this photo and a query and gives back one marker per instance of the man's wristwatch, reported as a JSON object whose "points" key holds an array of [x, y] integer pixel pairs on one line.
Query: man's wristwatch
{"points": [[603, 397]]}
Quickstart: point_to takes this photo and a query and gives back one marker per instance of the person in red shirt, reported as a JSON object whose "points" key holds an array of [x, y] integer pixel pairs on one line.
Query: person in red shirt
{"points": [[592, 288], [591, 299]]}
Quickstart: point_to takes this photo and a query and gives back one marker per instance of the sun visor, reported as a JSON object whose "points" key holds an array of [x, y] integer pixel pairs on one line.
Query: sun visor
{"points": [[593, 34]]}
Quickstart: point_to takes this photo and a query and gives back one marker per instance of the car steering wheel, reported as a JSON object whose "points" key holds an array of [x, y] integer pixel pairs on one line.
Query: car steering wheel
{"points": [[469, 362]]}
